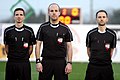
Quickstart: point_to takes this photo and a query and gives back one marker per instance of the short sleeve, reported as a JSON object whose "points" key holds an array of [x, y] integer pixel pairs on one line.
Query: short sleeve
{"points": [[114, 41], [88, 44], [68, 36], [5, 37], [32, 39], [39, 35]]}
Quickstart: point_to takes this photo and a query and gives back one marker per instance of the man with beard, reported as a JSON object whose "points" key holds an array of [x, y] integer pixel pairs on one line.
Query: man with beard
{"points": [[57, 47], [100, 42], [19, 40]]}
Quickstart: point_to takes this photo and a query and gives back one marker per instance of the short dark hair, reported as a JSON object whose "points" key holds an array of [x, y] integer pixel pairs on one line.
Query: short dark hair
{"points": [[102, 11], [54, 4], [21, 9]]}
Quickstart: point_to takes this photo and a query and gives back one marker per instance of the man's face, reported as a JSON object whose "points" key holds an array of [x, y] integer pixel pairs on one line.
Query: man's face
{"points": [[54, 12], [102, 18], [19, 16]]}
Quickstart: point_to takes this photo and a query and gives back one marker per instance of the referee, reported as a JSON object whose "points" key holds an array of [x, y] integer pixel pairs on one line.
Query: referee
{"points": [[57, 47], [19, 40], [100, 42]]}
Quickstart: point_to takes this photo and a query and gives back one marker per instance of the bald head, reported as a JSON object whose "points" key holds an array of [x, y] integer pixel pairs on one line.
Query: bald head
{"points": [[54, 12], [53, 4]]}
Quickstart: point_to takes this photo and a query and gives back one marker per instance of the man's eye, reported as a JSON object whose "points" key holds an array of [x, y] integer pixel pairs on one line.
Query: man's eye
{"points": [[21, 14], [104, 17], [16, 14], [99, 17], [56, 10], [51, 11]]}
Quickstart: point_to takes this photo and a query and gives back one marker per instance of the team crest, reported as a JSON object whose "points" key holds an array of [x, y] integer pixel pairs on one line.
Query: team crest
{"points": [[60, 40], [25, 45], [107, 46]]}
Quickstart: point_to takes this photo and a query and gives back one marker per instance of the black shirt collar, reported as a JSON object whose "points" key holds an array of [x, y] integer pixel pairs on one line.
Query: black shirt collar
{"points": [[19, 29]]}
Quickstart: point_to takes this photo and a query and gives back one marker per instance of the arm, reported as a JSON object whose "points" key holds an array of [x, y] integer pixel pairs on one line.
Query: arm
{"points": [[37, 54], [6, 49], [37, 49], [3, 49], [111, 51], [113, 46], [68, 68], [69, 51], [88, 51], [30, 49]]}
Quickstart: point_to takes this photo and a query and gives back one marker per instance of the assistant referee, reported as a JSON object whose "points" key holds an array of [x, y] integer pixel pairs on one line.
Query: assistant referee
{"points": [[19, 40], [100, 42]]}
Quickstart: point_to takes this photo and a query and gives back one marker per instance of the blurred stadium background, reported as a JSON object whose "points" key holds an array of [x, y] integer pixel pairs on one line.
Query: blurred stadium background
{"points": [[79, 15]]}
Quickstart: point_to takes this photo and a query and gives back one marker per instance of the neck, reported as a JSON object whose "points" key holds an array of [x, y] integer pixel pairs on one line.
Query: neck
{"points": [[102, 28], [54, 22], [18, 25]]}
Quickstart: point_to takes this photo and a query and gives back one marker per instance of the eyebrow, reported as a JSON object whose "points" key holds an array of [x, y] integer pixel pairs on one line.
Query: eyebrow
{"points": [[19, 14]]}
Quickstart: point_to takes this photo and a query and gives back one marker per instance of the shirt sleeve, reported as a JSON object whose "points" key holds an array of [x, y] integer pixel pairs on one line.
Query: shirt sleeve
{"points": [[5, 37], [32, 39], [39, 35], [68, 36], [114, 41], [88, 44]]}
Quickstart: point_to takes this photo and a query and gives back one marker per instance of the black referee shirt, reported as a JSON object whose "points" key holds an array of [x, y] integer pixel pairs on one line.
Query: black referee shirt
{"points": [[54, 40], [100, 44], [19, 40]]}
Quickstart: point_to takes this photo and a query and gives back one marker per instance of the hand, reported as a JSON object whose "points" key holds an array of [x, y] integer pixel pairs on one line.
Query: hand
{"points": [[68, 68], [39, 67]]}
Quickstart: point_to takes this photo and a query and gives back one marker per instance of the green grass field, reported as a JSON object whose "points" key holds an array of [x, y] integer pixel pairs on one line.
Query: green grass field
{"points": [[78, 72]]}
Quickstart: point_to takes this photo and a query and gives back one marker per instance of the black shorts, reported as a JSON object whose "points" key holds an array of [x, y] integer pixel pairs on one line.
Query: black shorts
{"points": [[101, 72], [54, 68], [18, 71]]}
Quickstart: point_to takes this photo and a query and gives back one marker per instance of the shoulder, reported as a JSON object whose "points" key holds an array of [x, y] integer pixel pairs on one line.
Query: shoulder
{"points": [[110, 31], [27, 28], [64, 26], [45, 24], [92, 30], [9, 28]]}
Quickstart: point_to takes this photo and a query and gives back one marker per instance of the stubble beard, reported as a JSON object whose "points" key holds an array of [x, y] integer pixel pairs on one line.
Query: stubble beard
{"points": [[101, 24]]}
